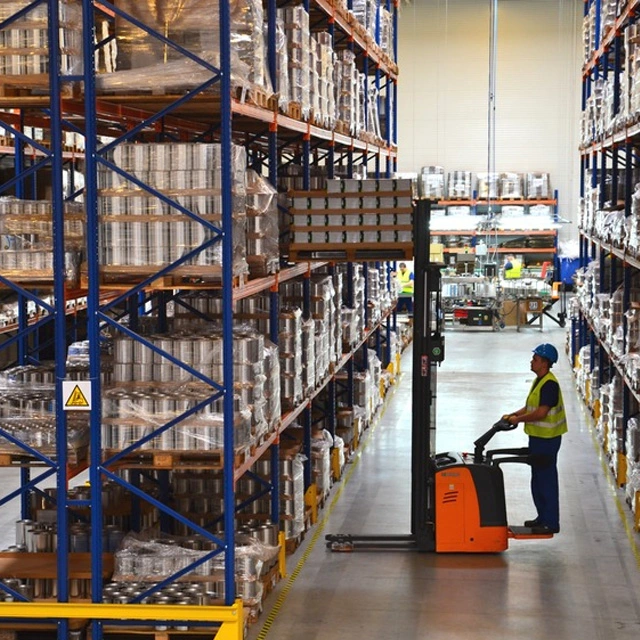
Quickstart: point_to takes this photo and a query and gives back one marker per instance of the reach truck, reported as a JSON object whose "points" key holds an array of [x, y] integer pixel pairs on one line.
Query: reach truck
{"points": [[457, 500]]}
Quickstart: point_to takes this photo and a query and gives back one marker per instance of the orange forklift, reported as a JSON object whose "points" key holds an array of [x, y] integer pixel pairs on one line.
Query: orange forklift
{"points": [[457, 499]]}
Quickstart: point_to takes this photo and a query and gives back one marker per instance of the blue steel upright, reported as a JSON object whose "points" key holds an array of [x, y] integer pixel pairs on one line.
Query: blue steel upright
{"points": [[103, 313]]}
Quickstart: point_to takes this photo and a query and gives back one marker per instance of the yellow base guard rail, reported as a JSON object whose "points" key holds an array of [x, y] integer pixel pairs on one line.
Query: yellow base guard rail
{"points": [[230, 617], [311, 500]]}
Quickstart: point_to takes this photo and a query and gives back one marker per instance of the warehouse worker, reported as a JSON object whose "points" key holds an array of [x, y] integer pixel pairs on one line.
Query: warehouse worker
{"points": [[544, 422], [512, 267], [405, 299]]}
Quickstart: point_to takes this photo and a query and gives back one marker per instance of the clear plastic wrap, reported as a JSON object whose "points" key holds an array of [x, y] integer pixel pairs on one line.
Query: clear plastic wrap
{"points": [[360, 124], [373, 116], [138, 229], [152, 558], [263, 249], [290, 344], [296, 28], [146, 62], [346, 90], [292, 509], [308, 356], [24, 44], [272, 385], [431, 182], [365, 12], [129, 416], [538, 186], [283, 90], [26, 238], [199, 348], [510, 185], [488, 185], [460, 185], [321, 462], [39, 432]]}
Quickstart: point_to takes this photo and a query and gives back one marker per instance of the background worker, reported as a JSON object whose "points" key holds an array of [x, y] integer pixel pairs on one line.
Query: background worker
{"points": [[512, 267], [544, 422], [405, 299]]}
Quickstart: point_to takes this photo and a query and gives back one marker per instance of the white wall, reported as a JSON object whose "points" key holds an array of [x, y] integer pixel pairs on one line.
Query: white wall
{"points": [[443, 55]]}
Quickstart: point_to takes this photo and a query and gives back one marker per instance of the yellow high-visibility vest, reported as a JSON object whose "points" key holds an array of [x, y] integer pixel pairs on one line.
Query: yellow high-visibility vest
{"points": [[515, 271], [555, 424], [406, 282]]}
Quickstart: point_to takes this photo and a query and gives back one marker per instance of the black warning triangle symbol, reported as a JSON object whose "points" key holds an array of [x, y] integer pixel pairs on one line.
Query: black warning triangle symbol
{"points": [[76, 398]]}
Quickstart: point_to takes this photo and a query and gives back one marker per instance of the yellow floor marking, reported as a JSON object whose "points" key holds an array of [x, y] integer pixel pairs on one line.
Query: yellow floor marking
{"points": [[321, 524], [622, 510]]}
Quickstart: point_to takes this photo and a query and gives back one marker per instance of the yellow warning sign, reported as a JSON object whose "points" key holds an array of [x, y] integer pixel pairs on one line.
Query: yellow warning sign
{"points": [[76, 399], [76, 395]]}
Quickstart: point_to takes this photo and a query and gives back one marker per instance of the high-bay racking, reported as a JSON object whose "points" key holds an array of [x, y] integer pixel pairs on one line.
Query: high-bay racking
{"points": [[605, 319], [150, 133]]}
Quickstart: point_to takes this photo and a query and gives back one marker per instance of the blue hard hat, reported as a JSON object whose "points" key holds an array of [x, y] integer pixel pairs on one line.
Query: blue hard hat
{"points": [[547, 351]]}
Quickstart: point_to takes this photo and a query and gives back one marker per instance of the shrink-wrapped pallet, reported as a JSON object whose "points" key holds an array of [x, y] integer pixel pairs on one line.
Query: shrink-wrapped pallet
{"points": [[608, 14], [431, 184], [346, 89], [290, 344], [365, 12], [263, 255], [24, 43], [140, 229], [386, 32], [296, 28], [510, 185], [26, 239], [488, 185], [170, 390], [460, 185], [145, 61], [538, 186], [326, 74], [282, 88]]}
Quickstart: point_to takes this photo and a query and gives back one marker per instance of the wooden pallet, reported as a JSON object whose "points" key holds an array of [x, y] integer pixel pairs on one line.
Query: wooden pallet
{"points": [[42, 631], [196, 276], [16, 457], [361, 252], [292, 544], [256, 96], [342, 128], [294, 110], [136, 633], [37, 84], [32, 276], [173, 459]]}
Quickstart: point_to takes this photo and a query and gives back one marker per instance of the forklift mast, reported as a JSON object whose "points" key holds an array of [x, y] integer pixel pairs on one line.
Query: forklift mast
{"points": [[428, 353]]}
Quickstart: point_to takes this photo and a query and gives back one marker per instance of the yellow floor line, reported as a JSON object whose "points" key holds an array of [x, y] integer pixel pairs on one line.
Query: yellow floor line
{"points": [[270, 619], [622, 509]]}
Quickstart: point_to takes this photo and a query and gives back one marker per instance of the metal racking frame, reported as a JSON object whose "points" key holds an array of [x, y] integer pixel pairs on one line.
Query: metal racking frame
{"points": [[608, 155], [95, 116]]}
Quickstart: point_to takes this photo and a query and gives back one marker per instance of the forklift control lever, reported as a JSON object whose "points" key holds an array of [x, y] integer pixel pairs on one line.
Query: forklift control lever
{"points": [[502, 425]]}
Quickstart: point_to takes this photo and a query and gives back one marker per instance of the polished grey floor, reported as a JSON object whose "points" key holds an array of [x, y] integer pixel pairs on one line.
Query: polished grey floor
{"points": [[582, 584]]}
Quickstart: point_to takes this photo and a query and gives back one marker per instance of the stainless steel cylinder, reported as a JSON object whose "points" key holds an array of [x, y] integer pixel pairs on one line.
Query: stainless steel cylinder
{"points": [[21, 529]]}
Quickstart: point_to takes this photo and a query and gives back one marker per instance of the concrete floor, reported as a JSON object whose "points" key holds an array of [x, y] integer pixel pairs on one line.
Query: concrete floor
{"points": [[584, 583]]}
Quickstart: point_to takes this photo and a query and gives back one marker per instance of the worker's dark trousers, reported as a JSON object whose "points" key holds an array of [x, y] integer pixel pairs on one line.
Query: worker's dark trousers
{"points": [[405, 303], [544, 479]]}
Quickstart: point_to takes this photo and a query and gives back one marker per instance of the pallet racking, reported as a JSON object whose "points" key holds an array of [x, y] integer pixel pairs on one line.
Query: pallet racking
{"points": [[69, 100], [603, 322]]}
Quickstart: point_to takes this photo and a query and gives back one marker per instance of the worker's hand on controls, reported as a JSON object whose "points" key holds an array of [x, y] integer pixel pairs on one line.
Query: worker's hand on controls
{"points": [[511, 418]]}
